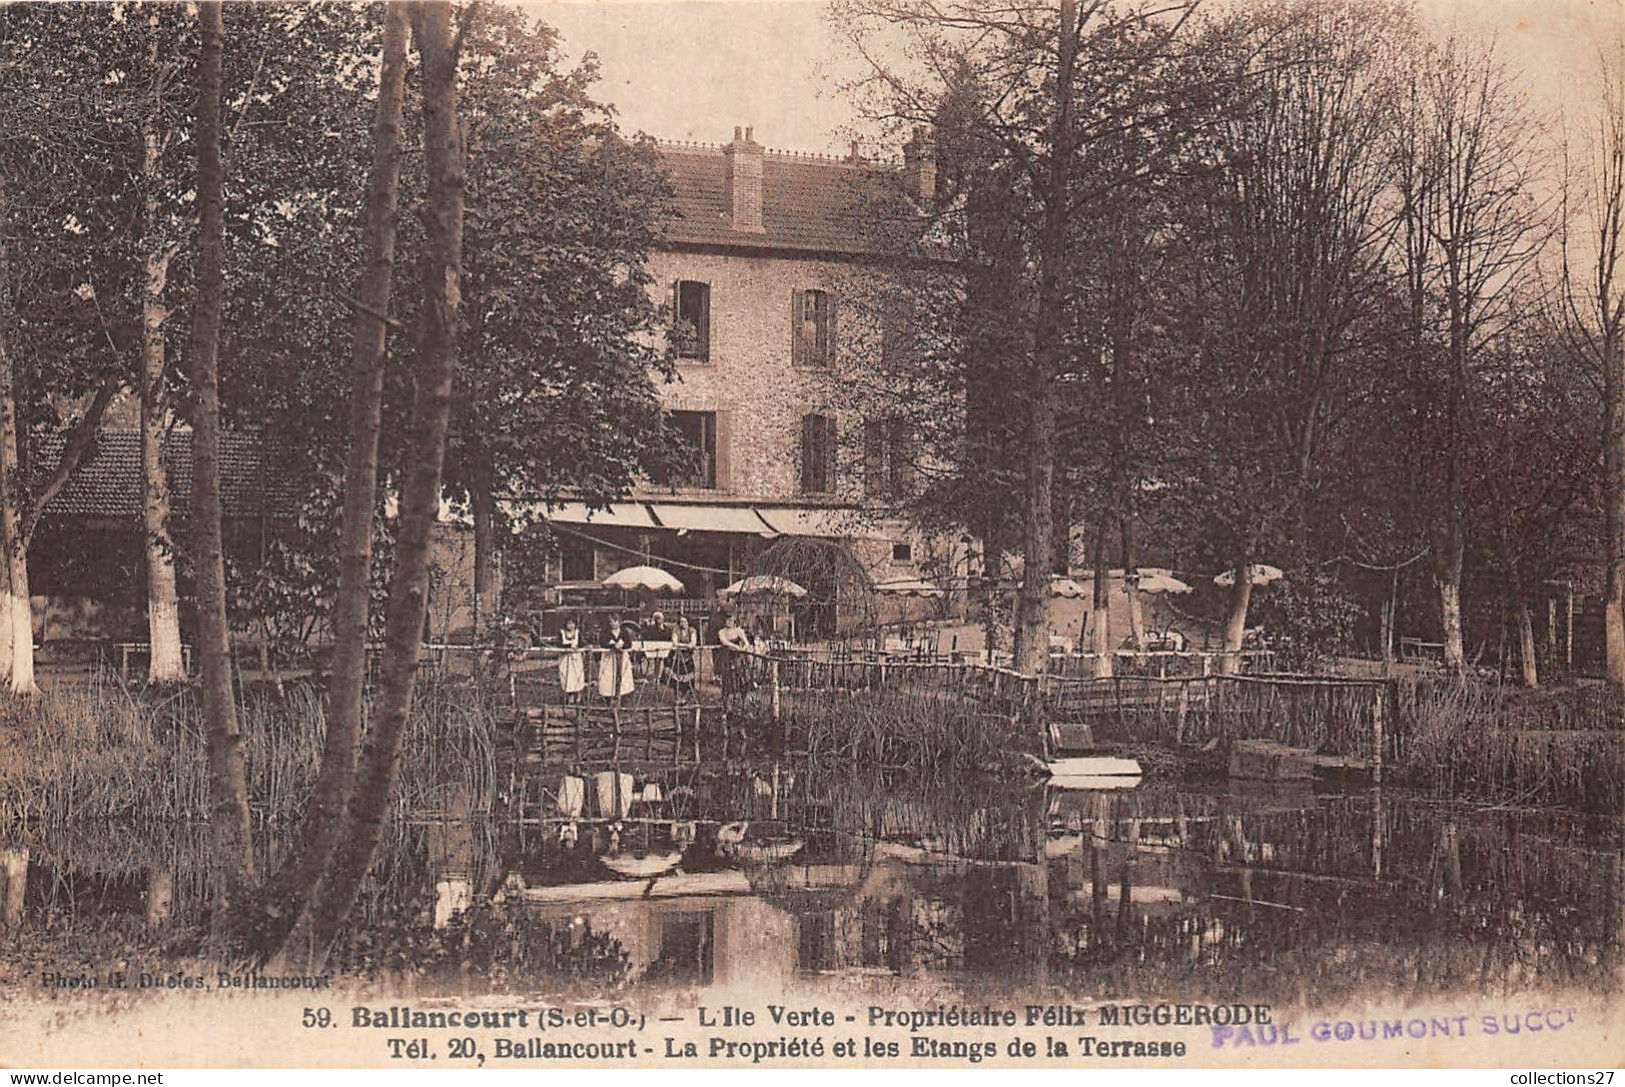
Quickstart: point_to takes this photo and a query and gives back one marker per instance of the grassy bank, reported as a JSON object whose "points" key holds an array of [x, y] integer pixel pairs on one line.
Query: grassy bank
{"points": [[100, 751], [1509, 746]]}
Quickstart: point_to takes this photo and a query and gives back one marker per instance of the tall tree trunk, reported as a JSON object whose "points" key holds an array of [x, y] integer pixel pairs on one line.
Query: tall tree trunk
{"points": [[163, 603], [1447, 554], [13, 885], [1131, 584], [420, 500], [482, 497], [1614, 507], [325, 816], [1032, 610], [16, 615], [160, 896], [1235, 624], [1100, 615], [1526, 642], [229, 823]]}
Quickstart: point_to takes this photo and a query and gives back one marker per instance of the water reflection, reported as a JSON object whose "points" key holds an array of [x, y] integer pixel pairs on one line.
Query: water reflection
{"points": [[777, 874]]}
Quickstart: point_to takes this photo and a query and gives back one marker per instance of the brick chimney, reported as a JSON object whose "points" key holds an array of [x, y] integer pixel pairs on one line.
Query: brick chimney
{"points": [[920, 165], [744, 183]]}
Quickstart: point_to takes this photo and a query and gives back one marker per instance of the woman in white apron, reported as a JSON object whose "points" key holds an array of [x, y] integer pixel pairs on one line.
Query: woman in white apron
{"points": [[572, 669], [615, 666]]}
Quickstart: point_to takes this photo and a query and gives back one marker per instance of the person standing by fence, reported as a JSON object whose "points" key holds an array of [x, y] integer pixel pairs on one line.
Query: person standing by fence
{"points": [[572, 666], [733, 656], [615, 679], [679, 673]]}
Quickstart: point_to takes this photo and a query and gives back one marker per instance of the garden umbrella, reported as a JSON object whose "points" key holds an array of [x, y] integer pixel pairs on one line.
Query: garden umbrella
{"points": [[1161, 583], [649, 578], [764, 585], [1260, 574]]}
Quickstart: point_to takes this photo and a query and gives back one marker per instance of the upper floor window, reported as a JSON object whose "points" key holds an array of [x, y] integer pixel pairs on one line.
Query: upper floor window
{"points": [[812, 320], [691, 305], [576, 560], [699, 433], [896, 338], [817, 454], [888, 457]]}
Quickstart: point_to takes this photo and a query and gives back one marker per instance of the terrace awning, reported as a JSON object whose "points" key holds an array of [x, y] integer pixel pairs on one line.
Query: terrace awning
{"points": [[620, 515], [834, 524], [735, 519]]}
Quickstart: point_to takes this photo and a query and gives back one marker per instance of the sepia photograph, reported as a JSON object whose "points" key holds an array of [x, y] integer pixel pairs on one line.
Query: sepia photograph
{"points": [[812, 534]]}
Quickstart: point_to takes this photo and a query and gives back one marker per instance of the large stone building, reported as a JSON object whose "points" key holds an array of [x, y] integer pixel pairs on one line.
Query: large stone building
{"points": [[751, 269]]}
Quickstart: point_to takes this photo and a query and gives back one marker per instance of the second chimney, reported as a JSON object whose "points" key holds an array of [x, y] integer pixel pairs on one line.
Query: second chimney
{"points": [[744, 183], [920, 165]]}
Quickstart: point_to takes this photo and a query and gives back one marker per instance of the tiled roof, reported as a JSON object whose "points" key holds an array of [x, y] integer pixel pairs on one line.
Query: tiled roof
{"points": [[108, 483], [809, 202]]}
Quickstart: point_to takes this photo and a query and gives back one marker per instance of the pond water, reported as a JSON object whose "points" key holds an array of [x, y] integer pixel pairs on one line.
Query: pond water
{"points": [[785, 876]]}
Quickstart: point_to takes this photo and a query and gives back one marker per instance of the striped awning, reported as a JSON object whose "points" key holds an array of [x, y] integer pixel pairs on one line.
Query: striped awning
{"points": [[735, 519]]}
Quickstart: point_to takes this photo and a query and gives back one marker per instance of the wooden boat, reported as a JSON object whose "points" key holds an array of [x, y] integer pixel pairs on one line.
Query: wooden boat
{"points": [[1074, 767]]}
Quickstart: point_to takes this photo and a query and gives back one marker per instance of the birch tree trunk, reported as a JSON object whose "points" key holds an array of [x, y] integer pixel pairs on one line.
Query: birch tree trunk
{"points": [[482, 498], [16, 615], [1614, 509], [420, 500], [230, 825], [163, 602], [1131, 586], [1608, 300], [1100, 615], [1235, 624], [1526, 643], [13, 885], [1447, 554], [1032, 604], [369, 332]]}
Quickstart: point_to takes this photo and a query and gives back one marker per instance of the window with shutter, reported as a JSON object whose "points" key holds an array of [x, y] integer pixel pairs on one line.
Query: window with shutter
{"points": [[812, 328], [817, 454], [888, 457], [691, 305], [874, 458], [698, 430]]}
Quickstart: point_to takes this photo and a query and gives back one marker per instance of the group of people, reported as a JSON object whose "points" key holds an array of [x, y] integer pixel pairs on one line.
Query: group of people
{"points": [[669, 652], [661, 652]]}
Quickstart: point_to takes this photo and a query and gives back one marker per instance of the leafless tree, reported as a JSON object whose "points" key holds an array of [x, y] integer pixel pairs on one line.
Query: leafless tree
{"points": [[1466, 161]]}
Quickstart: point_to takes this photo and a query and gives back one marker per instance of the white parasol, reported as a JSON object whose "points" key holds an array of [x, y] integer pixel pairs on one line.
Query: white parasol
{"points": [[1258, 572], [650, 578], [1159, 582], [764, 585]]}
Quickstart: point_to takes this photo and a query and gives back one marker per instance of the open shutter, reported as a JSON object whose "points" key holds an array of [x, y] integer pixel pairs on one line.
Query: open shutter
{"points": [[704, 350], [798, 349], [902, 456], [874, 457], [723, 440], [809, 454], [830, 338], [832, 456]]}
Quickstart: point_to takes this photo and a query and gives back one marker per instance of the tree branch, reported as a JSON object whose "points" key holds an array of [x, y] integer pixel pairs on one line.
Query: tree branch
{"points": [[81, 440]]}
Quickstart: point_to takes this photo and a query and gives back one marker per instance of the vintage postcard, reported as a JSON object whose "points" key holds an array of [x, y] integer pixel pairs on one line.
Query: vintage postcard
{"points": [[1071, 534]]}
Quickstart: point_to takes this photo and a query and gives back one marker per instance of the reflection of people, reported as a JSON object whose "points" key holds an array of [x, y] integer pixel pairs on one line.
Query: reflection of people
{"points": [[572, 669], [733, 645], [680, 664], [615, 668]]}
